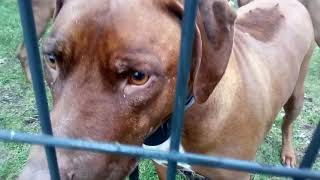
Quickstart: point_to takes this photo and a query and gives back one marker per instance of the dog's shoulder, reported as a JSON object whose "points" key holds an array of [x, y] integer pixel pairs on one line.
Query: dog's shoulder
{"points": [[262, 23]]}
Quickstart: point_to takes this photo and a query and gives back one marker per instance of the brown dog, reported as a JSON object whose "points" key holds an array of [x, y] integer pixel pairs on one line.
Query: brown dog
{"points": [[313, 6], [43, 11], [112, 64]]}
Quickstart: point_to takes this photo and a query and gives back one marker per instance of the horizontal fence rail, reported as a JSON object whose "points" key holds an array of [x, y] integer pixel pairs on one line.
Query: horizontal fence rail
{"points": [[196, 159], [173, 156]]}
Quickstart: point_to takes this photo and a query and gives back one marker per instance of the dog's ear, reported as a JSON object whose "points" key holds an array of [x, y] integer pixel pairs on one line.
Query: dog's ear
{"points": [[175, 7], [212, 44], [217, 30], [59, 4]]}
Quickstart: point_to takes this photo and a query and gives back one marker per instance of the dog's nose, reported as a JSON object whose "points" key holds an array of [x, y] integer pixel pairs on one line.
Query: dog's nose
{"points": [[70, 175], [31, 175], [43, 175]]}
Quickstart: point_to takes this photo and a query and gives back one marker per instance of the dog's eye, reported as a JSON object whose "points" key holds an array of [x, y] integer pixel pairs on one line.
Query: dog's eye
{"points": [[51, 60], [138, 78]]}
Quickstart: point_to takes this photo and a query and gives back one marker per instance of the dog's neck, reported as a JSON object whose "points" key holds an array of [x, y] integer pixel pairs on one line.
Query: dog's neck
{"points": [[207, 119]]}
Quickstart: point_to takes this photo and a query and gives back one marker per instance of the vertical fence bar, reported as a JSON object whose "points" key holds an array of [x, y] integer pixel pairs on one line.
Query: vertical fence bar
{"points": [[312, 151], [135, 174], [187, 36], [31, 43]]}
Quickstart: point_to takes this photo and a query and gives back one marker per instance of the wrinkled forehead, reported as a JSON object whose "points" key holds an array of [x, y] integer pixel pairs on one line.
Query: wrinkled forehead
{"points": [[118, 24]]}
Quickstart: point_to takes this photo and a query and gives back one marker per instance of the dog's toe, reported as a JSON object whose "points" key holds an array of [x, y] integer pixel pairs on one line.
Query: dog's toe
{"points": [[288, 159]]}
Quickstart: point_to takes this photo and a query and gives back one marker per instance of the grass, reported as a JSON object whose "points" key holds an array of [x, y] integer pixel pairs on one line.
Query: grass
{"points": [[17, 110]]}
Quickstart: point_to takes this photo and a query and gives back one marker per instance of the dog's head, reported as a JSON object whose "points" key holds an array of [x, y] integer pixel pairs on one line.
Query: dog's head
{"points": [[112, 66]]}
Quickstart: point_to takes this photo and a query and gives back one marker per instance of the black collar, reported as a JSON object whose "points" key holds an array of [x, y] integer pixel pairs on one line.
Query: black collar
{"points": [[163, 132]]}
